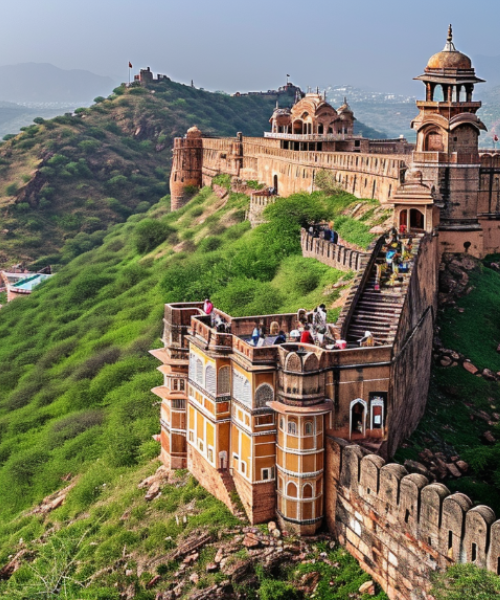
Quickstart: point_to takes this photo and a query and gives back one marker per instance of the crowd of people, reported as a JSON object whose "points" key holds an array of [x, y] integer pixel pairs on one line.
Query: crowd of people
{"points": [[312, 328]]}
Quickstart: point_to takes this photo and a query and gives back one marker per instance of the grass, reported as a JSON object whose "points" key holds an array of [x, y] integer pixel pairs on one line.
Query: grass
{"points": [[75, 376]]}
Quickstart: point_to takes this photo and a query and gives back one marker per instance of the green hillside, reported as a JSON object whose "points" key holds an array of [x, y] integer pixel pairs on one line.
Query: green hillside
{"points": [[75, 375], [64, 181]]}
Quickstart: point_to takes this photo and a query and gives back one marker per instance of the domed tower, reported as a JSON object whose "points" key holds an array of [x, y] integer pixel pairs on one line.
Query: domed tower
{"points": [[186, 166], [447, 145], [347, 118]]}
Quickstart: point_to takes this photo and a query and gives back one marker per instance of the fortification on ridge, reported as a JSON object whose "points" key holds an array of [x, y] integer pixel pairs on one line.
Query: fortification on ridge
{"points": [[300, 432]]}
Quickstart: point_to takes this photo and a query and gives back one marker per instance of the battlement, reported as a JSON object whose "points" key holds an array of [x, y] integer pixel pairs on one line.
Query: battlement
{"points": [[401, 526]]}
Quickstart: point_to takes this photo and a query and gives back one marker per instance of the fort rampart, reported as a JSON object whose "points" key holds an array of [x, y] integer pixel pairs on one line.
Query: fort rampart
{"points": [[289, 171], [336, 256], [399, 525]]}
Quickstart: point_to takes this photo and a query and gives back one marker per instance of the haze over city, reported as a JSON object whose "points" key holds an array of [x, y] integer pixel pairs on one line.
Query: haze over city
{"points": [[233, 46]]}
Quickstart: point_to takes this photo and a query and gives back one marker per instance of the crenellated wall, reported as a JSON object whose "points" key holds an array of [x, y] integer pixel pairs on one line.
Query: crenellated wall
{"points": [[400, 526], [334, 255]]}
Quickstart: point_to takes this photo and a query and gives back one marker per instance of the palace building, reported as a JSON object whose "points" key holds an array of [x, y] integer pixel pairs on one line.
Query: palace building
{"points": [[289, 428]]}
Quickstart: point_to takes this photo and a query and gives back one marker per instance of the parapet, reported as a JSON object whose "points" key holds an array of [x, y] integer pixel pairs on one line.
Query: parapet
{"points": [[422, 515]]}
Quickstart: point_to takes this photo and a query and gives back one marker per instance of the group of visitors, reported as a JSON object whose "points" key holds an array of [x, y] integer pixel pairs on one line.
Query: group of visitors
{"points": [[398, 251], [324, 232]]}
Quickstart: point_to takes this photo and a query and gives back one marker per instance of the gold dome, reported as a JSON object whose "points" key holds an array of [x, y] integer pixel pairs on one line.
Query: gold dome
{"points": [[449, 59]]}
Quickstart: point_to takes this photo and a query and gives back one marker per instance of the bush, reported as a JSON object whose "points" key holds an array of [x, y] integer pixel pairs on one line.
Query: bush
{"points": [[465, 581], [149, 234], [11, 189]]}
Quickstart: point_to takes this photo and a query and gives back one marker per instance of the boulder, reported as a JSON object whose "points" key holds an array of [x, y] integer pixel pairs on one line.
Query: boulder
{"points": [[211, 567], [445, 361], [251, 540], [489, 375], [276, 533], [454, 470], [468, 366], [368, 588], [462, 465], [489, 437], [271, 526]]}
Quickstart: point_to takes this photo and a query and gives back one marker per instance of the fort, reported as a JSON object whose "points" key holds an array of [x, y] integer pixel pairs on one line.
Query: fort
{"points": [[301, 432]]}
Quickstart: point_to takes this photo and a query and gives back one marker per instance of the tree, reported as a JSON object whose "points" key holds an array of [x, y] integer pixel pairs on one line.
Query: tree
{"points": [[465, 581], [149, 234]]}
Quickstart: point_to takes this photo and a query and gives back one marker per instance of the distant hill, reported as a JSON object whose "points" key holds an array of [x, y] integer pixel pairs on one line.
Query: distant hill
{"points": [[44, 83]]}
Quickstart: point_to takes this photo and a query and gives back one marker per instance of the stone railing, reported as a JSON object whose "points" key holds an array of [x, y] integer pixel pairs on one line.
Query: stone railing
{"points": [[334, 255], [312, 137]]}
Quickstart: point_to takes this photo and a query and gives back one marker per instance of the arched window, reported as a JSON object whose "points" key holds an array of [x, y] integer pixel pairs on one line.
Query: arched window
{"points": [[308, 428], [307, 491], [292, 428], [210, 380], [224, 381], [263, 394], [282, 423], [291, 490], [241, 388], [280, 483], [192, 367], [199, 372]]}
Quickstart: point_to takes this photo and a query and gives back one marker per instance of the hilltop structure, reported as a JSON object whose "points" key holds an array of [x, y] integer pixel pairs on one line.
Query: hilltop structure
{"points": [[301, 432]]}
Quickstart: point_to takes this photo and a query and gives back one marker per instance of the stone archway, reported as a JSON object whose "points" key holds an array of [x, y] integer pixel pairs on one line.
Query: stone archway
{"points": [[357, 418]]}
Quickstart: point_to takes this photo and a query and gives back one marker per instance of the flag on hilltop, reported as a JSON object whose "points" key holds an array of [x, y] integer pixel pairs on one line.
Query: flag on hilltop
{"points": [[129, 65]]}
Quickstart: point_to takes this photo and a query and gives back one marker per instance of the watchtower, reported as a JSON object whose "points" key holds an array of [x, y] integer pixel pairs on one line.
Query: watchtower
{"points": [[447, 149], [186, 166]]}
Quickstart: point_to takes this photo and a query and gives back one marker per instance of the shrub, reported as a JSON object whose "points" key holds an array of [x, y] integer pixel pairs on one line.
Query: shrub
{"points": [[150, 233], [94, 364], [99, 99], [223, 179], [89, 146], [465, 581], [11, 189]]}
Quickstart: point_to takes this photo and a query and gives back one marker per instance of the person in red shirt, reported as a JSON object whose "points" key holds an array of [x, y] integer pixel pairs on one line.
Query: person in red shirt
{"points": [[306, 337], [208, 307]]}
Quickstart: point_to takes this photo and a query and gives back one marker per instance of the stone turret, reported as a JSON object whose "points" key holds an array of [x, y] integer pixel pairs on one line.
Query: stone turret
{"points": [[186, 166]]}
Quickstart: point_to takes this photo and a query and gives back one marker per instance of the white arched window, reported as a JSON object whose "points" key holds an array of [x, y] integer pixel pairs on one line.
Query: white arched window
{"points": [[241, 388], [210, 380], [199, 372], [263, 394], [308, 428], [192, 367], [224, 381], [292, 428]]}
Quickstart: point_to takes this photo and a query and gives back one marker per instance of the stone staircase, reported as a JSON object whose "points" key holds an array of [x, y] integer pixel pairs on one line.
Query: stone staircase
{"points": [[378, 308], [236, 505]]}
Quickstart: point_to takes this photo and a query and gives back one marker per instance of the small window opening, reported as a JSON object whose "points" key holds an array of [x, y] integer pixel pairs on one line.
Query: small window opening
{"points": [[450, 540], [407, 516], [429, 541], [368, 491], [498, 565], [474, 552]]}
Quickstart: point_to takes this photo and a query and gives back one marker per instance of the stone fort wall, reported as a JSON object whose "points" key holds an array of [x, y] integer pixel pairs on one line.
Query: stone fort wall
{"points": [[399, 525], [364, 175]]}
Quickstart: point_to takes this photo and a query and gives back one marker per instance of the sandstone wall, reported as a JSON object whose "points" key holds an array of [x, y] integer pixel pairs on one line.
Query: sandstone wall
{"points": [[412, 348], [336, 256], [401, 527], [364, 175]]}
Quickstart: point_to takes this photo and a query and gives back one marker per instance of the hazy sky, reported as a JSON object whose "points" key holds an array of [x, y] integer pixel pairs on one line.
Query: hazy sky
{"points": [[249, 45]]}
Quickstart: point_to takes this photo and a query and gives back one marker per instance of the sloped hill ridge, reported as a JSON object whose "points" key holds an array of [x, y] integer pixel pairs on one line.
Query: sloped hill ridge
{"points": [[63, 181]]}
